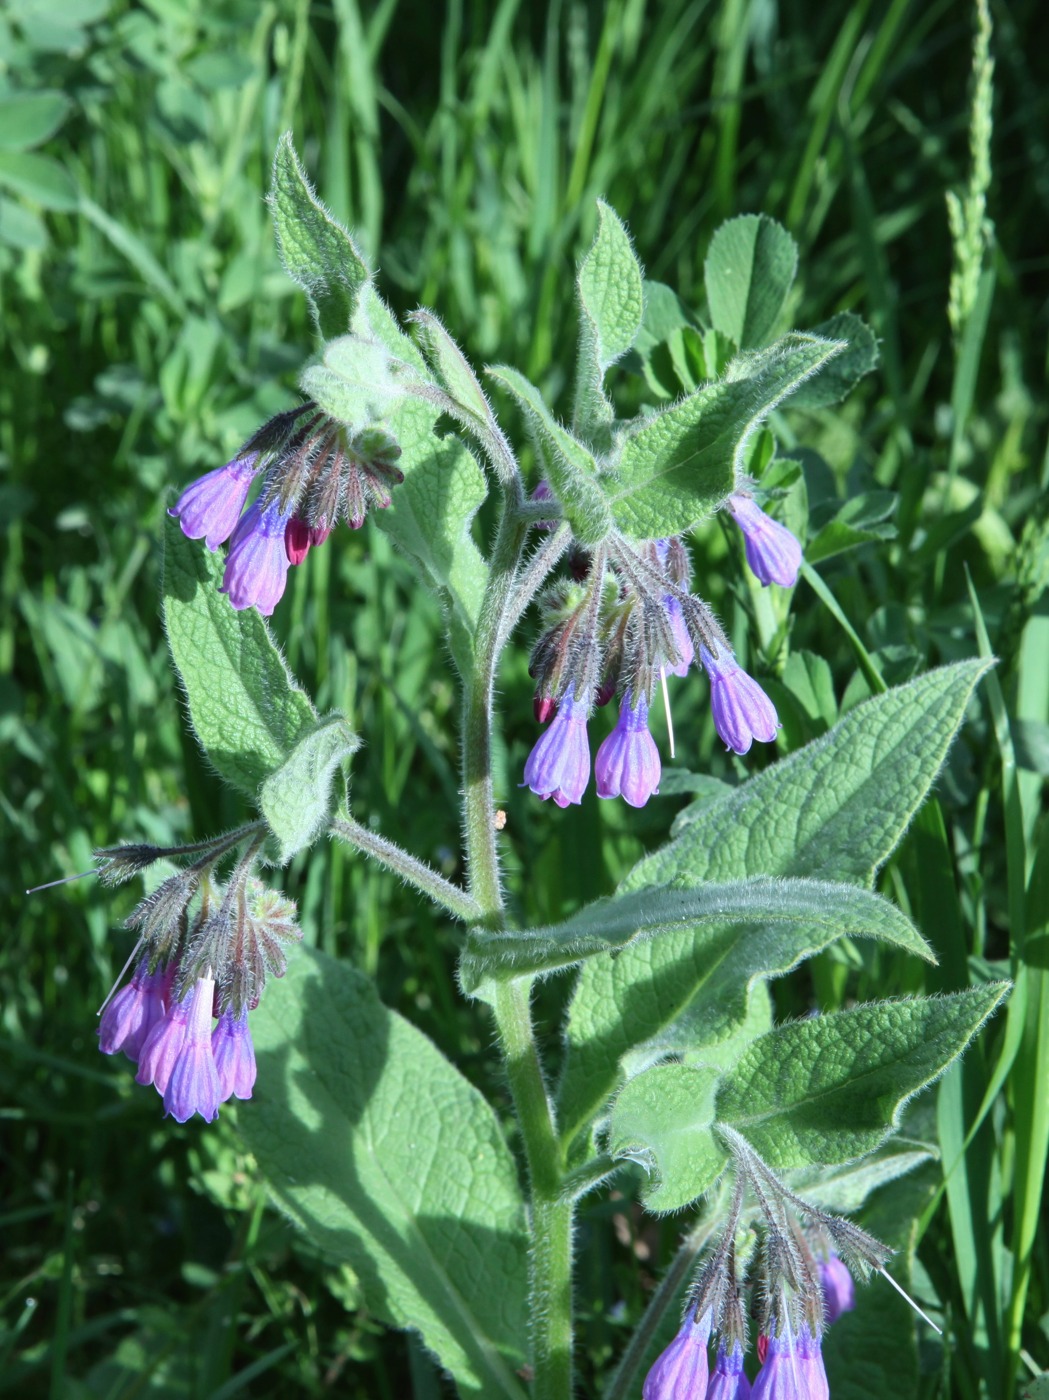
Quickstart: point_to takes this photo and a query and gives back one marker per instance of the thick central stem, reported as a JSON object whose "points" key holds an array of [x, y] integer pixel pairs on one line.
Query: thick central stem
{"points": [[550, 1258], [478, 808]]}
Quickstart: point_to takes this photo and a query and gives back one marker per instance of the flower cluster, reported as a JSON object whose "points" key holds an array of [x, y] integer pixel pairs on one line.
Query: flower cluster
{"points": [[205, 955], [314, 474], [623, 623], [799, 1286]]}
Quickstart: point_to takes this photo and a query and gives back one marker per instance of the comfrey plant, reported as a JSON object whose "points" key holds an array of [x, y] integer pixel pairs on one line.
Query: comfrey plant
{"points": [[673, 1074]]}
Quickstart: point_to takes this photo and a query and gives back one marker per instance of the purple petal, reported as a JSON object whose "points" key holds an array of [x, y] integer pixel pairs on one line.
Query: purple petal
{"points": [[133, 1012], [793, 1369], [682, 641], [257, 564], [681, 1371], [627, 763], [774, 555], [741, 709], [839, 1291], [162, 1046], [559, 764], [728, 1380], [209, 507], [193, 1086], [234, 1056]]}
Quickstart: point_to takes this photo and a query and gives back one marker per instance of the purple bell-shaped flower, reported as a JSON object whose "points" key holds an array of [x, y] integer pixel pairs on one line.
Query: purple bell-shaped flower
{"points": [[209, 507], [741, 709], [682, 1370], [162, 1045], [234, 1056], [257, 564], [193, 1086], [774, 555], [839, 1291], [728, 1380], [627, 763], [559, 764], [134, 1011]]}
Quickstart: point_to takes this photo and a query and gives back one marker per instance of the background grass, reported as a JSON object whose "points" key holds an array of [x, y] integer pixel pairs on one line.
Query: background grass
{"points": [[147, 328]]}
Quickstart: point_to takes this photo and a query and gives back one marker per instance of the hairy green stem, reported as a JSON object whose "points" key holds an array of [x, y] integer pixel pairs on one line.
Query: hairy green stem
{"points": [[531, 578], [550, 1260], [411, 870], [551, 1257], [482, 858]]}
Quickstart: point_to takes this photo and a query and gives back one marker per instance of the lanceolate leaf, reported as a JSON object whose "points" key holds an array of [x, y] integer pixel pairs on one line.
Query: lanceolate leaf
{"points": [[830, 1088], [841, 803], [453, 370], [680, 465], [687, 992], [316, 250], [749, 270], [611, 923], [392, 1162], [610, 309]]}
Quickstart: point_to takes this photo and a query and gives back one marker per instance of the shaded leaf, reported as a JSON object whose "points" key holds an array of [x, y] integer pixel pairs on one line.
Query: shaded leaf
{"points": [[392, 1162]]}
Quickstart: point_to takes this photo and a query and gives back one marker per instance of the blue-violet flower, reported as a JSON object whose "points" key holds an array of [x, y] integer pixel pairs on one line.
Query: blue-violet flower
{"points": [[257, 563], [839, 1291], [627, 762], [193, 1086], [728, 1380], [134, 1011], [682, 641], [792, 1369], [681, 1371], [162, 1045], [774, 555], [209, 507], [559, 764], [234, 1056], [741, 709]]}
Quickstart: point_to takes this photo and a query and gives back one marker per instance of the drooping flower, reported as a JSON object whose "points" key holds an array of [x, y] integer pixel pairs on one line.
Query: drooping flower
{"points": [[810, 1360], [839, 1292], [559, 764], [257, 564], [193, 1086], [234, 1056], [627, 762], [682, 1370], [792, 1368], [209, 507], [133, 1012], [162, 1045], [774, 555], [741, 709], [728, 1380]]}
